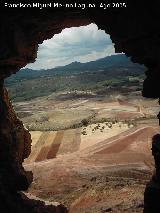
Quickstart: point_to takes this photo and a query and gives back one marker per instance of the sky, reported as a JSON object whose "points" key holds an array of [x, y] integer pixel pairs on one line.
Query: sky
{"points": [[82, 44]]}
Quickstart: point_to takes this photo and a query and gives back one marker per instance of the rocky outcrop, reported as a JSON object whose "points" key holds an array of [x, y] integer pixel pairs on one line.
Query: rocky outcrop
{"points": [[19, 44], [152, 191], [15, 146], [135, 31]]}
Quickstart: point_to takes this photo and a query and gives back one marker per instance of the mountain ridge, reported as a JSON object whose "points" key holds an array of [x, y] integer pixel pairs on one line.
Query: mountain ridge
{"points": [[108, 62], [115, 72]]}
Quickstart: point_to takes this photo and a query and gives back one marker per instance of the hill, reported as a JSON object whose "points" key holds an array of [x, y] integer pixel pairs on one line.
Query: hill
{"points": [[110, 72]]}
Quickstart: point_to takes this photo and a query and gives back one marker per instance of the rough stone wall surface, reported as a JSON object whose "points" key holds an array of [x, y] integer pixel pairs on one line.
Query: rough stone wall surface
{"points": [[134, 31], [15, 146]]}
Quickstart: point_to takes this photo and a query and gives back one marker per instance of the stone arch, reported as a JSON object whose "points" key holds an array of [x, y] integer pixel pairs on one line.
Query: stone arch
{"points": [[134, 30]]}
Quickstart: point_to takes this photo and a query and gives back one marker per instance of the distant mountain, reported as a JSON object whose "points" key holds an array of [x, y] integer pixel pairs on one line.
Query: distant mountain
{"points": [[103, 76], [109, 63]]}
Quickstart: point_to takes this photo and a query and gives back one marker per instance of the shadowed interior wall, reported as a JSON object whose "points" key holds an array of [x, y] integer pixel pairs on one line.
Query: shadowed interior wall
{"points": [[134, 30]]}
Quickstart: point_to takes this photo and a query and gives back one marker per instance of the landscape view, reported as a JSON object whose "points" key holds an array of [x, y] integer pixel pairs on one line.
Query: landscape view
{"points": [[91, 133]]}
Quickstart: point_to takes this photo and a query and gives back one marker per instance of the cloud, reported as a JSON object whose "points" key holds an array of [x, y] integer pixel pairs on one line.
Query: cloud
{"points": [[83, 44]]}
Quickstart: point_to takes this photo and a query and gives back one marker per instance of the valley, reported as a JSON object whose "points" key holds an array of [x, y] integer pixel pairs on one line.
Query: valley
{"points": [[100, 156], [91, 134]]}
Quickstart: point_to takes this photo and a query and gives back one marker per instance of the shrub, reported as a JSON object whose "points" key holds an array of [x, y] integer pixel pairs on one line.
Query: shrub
{"points": [[85, 122], [84, 133]]}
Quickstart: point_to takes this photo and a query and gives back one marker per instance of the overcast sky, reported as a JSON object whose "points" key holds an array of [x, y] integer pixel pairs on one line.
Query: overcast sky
{"points": [[83, 44]]}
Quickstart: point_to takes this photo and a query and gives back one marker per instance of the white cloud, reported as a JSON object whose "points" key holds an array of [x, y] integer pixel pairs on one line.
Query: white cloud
{"points": [[83, 44]]}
